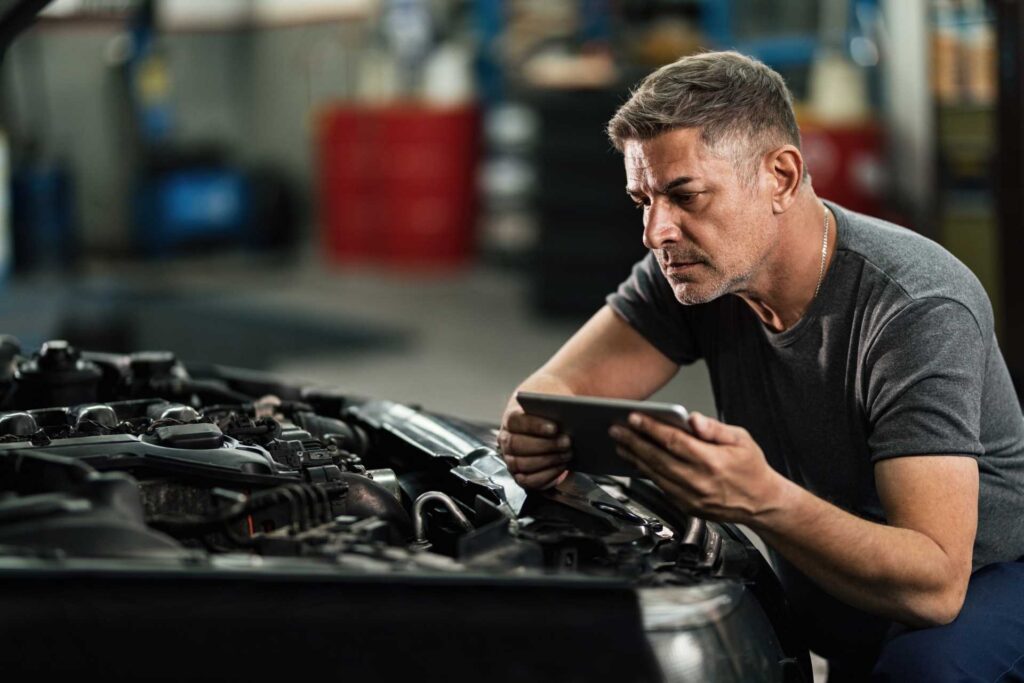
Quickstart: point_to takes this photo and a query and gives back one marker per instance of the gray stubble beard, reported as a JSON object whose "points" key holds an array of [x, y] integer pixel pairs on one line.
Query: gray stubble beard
{"points": [[724, 288]]}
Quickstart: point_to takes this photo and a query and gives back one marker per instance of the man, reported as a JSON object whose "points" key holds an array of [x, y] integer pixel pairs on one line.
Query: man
{"points": [[867, 430]]}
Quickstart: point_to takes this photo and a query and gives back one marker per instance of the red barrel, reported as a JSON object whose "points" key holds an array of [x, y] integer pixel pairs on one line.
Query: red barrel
{"points": [[398, 184], [847, 164]]}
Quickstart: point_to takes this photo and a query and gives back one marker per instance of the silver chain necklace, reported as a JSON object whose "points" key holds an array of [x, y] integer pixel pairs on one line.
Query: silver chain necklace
{"points": [[824, 251]]}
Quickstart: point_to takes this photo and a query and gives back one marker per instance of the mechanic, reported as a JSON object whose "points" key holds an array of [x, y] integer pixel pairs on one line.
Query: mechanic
{"points": [[868, 429]]}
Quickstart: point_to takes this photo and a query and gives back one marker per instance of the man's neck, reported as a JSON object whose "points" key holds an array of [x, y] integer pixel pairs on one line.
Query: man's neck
{"points": [[783, 289]]}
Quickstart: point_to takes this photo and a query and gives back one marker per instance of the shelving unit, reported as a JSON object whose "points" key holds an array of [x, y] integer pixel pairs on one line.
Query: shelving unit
{"points": [[1009, 183], [966, 142]]}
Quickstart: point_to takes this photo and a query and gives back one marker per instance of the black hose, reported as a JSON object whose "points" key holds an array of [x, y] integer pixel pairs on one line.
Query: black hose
{"points": [[208, 390], [302, 494], [328, 510], [293, 509], [326, 497]]}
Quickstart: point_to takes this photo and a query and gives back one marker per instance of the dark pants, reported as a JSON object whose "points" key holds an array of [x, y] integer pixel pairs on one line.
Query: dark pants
{"points": [[984, 643]]}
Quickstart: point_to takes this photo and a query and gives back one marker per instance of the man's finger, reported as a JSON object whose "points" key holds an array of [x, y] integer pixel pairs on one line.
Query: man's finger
{"points": [[633, 447], [657, 438], [521, 423], [543, 479], [520, 444], [711, 430], [673, 439], [678, 491], [518, 464], [639, 452]]}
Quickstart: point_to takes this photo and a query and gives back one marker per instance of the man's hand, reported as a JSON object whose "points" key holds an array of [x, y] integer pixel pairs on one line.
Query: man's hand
{"points": [[536, 454], [606, 357], [915, 570], [719, 472]]}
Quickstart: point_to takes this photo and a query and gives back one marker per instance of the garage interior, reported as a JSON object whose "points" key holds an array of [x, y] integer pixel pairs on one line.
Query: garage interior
{"points": [[416, 200], [250, 154]]}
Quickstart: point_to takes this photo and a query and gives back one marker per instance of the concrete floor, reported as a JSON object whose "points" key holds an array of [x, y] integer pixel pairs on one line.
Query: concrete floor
{"points": [[473, 340], [469, 337]]}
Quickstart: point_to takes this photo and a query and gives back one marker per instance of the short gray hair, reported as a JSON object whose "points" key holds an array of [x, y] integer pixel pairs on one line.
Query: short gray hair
{"points": [[728, 97]]}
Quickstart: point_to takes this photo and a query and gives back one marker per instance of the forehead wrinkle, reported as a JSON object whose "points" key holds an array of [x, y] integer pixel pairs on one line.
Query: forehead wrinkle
{"points": [[638, 178], [668, 161], [644, 177]]}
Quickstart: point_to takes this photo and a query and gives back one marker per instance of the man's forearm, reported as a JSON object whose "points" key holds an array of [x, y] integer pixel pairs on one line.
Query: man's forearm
{"points": [[541, 382], [547, 382], [899, 573], [606, 357]]}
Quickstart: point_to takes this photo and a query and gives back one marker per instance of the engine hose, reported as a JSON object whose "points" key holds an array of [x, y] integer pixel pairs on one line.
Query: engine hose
{"points": [[694, 533], [419, 521], [294, 524], [320, 509], [311, 510], [331, 430], [234, 536], [208, 390], [328, 511], [302, 505]]}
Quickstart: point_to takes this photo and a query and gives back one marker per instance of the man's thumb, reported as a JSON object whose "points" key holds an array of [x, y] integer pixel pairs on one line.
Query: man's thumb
{"points": [[709, 429]]}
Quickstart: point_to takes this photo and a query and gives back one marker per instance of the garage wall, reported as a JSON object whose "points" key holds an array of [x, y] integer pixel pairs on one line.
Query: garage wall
{"points": [[248, 90], [290, 71], [59, 100]]}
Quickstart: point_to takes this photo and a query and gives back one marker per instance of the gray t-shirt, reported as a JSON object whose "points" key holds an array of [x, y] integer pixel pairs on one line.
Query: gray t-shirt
{"points": [[897, 356]]}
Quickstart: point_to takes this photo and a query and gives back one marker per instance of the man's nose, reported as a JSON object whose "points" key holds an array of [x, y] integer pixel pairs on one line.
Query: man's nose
{"points": [[660, 228]]}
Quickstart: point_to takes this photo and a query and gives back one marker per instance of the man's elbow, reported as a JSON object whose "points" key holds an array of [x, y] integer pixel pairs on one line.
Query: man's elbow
{"points": [[939, 607]]}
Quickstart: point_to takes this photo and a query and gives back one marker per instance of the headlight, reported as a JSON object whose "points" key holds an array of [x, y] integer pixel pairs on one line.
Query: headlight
{"points": [[714, 632]]}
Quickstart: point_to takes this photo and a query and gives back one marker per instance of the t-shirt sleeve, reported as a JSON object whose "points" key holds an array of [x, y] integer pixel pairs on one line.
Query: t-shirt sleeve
{"points": [[924, 374], [646, 302]]}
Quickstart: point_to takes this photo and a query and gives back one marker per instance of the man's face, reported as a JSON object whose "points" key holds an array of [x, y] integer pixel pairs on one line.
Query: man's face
{"points": [[711, 229]]}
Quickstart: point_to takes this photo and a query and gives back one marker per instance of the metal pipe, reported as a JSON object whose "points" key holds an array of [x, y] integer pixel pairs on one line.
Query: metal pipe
{"points": [[419, 523]]}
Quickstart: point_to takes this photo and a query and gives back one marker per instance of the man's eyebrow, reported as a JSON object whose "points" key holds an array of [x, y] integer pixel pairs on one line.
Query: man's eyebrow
{"points": [[681, 180], [673, 184]]}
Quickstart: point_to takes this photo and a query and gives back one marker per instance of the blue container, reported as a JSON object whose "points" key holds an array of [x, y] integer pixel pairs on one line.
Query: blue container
{"points": [[179, 209]]}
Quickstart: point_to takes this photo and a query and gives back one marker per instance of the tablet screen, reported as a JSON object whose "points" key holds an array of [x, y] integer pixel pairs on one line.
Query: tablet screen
{"points": [[586, 419]]}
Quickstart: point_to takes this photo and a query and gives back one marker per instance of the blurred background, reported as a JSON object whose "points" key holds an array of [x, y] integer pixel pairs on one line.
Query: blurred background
{"points": [[415, 199]]}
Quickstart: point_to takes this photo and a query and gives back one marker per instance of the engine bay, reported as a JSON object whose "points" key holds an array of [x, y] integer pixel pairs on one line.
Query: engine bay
{"points": [[241, 507], [134, 456]]}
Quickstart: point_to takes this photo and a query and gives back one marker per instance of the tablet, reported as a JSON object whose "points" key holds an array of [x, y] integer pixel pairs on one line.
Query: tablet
{"points": [[586, 419]]}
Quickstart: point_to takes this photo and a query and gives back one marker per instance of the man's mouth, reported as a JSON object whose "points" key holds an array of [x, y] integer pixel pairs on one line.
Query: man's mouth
{"points": [[680, 267]]}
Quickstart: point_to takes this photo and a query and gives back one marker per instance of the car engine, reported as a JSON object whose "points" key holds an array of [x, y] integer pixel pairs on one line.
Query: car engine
{"points": [[229, 511]]}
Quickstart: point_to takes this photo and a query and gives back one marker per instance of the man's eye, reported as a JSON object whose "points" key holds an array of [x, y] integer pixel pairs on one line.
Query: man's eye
{"points": [[684, 198], [639, 203]]}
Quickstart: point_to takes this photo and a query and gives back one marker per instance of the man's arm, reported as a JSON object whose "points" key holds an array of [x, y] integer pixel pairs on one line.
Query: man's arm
{"points": [[606, 357], [914, 571]]}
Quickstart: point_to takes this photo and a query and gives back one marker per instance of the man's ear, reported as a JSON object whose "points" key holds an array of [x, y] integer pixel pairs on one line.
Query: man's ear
{"points": [[786, 167]]}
